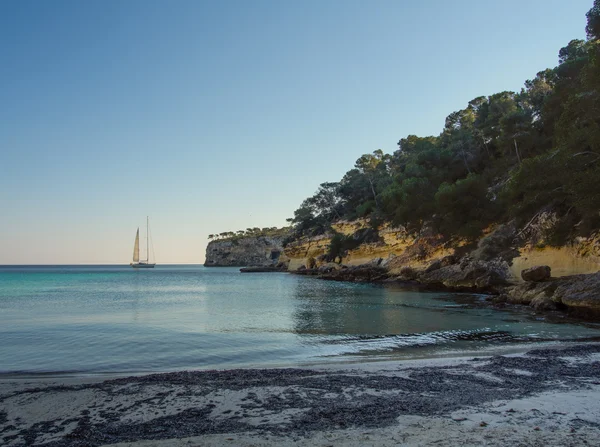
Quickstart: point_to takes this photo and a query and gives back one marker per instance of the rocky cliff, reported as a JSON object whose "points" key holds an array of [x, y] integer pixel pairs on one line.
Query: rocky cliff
{"points": [[396, 249], [245, 251]]}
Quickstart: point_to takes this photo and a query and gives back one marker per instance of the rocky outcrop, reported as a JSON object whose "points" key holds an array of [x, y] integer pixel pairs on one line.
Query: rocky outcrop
{"points": [[468, 275], [399, 249], [578, 294], [536, 295], [537, 273], [360, 273], [245, 251]]}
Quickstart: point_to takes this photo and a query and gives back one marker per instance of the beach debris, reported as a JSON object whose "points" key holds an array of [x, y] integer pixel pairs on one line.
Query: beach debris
{"points": [[315, 401]]}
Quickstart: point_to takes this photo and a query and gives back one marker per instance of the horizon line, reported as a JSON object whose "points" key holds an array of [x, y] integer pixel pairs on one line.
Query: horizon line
{"points": [[104, 263]]}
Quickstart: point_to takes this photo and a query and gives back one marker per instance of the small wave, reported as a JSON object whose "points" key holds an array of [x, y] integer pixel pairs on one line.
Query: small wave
{"points": [[387, 343], [394, 344]]}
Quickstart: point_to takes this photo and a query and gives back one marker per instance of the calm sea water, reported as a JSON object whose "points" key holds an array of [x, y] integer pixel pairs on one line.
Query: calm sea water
{"points": [[114, 319]]}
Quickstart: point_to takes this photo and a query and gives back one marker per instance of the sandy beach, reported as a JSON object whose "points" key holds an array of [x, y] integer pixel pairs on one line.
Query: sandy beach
{"points": [[545, 397]]}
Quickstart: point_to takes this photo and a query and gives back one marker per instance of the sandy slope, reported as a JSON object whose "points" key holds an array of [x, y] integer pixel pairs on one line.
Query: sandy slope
{"points": [[548, 397]]}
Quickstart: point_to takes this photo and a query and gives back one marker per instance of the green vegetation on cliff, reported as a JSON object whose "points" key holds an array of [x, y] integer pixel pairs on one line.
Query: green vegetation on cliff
{"points": [[505, 156], [250, 232]]}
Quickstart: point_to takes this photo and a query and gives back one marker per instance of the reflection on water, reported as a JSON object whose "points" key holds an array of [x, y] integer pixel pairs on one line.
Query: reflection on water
{"points": [[173, 317]]}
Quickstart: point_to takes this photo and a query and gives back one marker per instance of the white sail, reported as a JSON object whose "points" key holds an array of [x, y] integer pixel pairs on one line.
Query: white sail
{"points": [[136, 247]]}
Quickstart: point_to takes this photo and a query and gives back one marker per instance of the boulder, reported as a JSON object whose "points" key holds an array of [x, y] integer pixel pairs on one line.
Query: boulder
{"points": [[536, 274]]}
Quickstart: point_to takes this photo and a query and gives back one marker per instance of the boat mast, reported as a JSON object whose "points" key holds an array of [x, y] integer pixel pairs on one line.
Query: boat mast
{"points": [[147, 245]]}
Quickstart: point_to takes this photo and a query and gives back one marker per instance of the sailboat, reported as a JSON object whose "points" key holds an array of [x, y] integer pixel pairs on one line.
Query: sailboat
{"points": [[137, 264]]}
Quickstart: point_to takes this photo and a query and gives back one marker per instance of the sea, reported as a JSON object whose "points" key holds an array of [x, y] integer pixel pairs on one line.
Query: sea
{"points": [[116, 320]]}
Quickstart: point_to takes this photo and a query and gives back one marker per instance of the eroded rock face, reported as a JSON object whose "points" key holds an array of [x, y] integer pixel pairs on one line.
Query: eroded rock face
{"points": [[579, 291], [536, 295], [536, 273], [258, 251], [579, 294], [468, 275]]}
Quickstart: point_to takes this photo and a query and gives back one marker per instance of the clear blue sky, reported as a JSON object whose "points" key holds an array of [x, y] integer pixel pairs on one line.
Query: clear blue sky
{"points": [[214, 116]]}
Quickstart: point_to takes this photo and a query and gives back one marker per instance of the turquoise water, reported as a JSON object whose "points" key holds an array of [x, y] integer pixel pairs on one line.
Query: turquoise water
{"points": [[115, 319]]}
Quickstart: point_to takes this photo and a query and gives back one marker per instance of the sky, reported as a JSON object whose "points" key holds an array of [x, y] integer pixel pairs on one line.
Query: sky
{"points": [[214, 116]]}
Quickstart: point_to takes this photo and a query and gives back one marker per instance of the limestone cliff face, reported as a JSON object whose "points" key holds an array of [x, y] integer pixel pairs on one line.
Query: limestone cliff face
{"points": [[581, 256], [397, 249], [305, 251], [245, 251], [563, 261]]}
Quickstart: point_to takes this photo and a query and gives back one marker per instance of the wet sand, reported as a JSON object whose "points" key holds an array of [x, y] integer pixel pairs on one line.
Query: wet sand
{"points": [[546, 397]]}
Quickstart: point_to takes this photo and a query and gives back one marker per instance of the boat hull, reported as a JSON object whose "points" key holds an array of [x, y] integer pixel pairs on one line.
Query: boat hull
{"points": [[143, 266]]}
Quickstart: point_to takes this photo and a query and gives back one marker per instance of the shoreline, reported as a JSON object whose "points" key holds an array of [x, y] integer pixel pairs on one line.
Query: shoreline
{"points": [[493, 400], [366, 362], [574, 297]]}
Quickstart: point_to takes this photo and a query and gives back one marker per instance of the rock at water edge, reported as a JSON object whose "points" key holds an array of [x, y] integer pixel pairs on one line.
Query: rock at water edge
{"points": [[536, 273]]}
